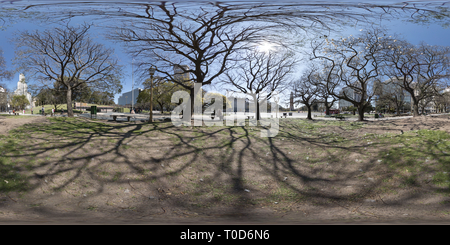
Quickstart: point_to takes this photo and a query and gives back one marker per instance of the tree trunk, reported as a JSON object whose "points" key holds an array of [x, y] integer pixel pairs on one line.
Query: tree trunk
{"points": [[161, 106], [397, 108], [69, 102], [415, 108], [361, 113], [327, 108], [258, 116], [309, 113]]}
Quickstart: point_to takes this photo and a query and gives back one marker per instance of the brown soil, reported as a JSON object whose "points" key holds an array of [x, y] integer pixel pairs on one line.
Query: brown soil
{"points": [[8, 123], [137, 173]]}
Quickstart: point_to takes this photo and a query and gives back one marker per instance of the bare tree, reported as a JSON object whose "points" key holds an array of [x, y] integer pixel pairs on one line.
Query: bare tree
{"points": [[4, 73], [200, 44], [352, 65], [68, 55], [307, 89], [260, 74], [323, 95], [205, 36], [421, 69], [206, 39], [391, 93]]}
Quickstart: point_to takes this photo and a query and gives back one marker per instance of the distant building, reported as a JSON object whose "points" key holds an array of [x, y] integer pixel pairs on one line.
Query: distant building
{"points": [[22, 89], [181, 73], [126, 98], [392, 85], [351, 94]]}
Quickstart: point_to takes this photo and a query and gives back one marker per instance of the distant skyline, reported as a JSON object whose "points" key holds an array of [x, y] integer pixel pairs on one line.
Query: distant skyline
{"points": [[433, 34]]}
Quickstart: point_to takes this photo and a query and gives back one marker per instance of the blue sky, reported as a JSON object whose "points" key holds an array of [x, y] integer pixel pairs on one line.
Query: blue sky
{"points": [[433, 34]]}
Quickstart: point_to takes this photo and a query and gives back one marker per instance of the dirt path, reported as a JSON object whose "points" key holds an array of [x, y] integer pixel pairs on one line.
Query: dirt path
{"points": [[8, 123]]}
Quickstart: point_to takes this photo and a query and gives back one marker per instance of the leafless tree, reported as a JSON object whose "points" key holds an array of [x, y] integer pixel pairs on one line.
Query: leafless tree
{"points": [[68, 55], [323, 95], [391, 93], [307, 89], [260, 74], [202, 43], [206, 38], [4, 73], [422, 69], [352, 66]]}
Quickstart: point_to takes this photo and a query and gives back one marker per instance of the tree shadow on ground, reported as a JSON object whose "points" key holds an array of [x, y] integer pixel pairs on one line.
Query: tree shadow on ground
{"points": [[156, 169]]}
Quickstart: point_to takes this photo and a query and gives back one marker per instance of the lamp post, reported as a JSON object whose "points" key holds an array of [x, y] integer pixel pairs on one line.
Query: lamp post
{"points": [[152, 72], [132, 87]]}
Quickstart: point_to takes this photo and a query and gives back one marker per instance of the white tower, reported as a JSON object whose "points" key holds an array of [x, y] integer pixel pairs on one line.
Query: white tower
{"points": [[22, 89]]}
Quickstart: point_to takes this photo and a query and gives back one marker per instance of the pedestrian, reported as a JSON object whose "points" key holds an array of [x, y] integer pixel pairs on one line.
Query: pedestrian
{"points": [[31, 111]]}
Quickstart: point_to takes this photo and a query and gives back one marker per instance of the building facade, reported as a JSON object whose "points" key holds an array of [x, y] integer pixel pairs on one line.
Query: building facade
{"points": [[181, 73], [22, 89], [351, 94], [392, 86], [127, 98]]}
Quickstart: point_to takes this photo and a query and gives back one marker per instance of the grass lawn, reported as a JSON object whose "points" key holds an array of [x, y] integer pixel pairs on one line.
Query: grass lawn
{"points": [[309, 163], [48, 109]]}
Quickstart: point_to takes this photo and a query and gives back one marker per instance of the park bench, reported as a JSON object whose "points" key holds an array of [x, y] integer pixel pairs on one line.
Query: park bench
{"points": [[339, 117], [248, 117], [115, 117]]}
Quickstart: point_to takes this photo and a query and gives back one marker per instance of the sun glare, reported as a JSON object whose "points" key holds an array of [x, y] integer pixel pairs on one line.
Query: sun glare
{"points": [[265, 47]]}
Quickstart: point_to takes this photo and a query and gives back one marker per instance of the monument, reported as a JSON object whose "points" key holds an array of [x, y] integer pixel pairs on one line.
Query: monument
{"points": [[22, 89]]}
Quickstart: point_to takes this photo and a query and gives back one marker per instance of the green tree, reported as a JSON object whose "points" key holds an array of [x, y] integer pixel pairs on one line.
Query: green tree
{"points": [[19, 102], [162, 93]]}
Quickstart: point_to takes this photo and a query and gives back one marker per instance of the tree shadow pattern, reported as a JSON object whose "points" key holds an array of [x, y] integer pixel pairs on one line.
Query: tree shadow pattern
{"points": [[158, 169]]}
